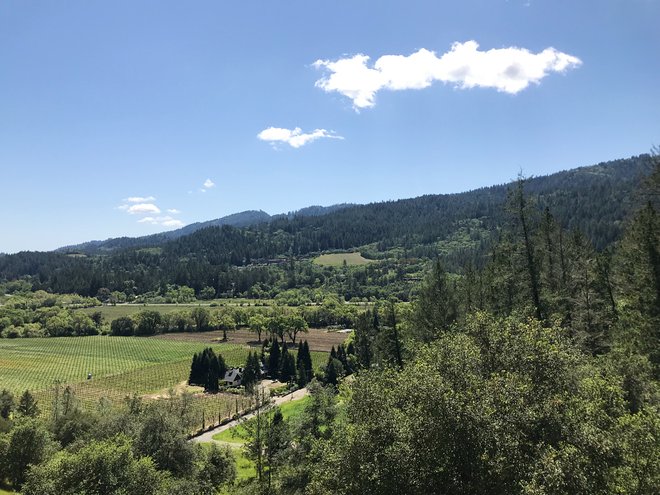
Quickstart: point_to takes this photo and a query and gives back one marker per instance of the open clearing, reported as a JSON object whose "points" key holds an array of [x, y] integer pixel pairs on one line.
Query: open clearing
{"points": [[338, 259], [320, 340]]}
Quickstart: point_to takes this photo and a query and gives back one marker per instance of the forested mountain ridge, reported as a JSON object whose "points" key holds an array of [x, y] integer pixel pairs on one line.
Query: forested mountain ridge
{"points": [[241, 219], [459, 227], [593, 199]]}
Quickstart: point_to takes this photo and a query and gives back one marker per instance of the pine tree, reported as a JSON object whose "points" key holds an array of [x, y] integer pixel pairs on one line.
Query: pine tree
{"points": [[520, 208], [6, 403], [207, 369], [27, 405], [436, 307], [274, 360], [307, 360], [249, 375], [287, 366], [194, 377]]}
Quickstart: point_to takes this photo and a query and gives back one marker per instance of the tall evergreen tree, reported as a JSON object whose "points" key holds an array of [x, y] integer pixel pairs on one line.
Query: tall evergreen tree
{"points": [[27, 405], [436, 307], [251, 371], [274, 360]]}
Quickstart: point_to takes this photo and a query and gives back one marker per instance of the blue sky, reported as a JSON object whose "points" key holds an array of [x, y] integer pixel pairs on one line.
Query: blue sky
{"points": [[133, 117]]}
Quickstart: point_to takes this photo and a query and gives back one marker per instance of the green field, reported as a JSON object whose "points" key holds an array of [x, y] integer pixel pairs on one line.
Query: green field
{"points": [[120, 366], [338, 259], [36, 363]]}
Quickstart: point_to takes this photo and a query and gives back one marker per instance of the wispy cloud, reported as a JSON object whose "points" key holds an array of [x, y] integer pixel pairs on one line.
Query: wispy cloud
{"points": [[140, 199], [142, 208], [508, 70], [149, 212], [294, 137]]}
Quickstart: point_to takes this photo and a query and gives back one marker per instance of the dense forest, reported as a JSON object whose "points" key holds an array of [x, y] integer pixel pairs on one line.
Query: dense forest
{"points": [[265, 259]]}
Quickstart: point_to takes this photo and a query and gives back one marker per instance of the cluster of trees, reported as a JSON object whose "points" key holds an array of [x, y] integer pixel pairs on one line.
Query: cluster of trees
{"points": [[207, 370], [281, 364], [341, 362], [136, 448], [532, 371], [278, 322], [284, 366], [493, 406], [24, 313]]}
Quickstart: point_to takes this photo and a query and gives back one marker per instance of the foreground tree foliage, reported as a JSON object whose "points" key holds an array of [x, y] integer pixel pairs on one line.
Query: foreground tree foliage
{"points": [[499, 406], [132, 448], [105, 467]]}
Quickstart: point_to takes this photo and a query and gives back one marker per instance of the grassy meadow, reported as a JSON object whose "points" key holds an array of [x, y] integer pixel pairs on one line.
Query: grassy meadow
{"points": [[338, 259]]}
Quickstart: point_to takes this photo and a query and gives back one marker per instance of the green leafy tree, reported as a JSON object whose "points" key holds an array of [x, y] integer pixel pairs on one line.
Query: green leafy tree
{"points": [[100, 468], [123, 326], [225, 322], [207, 293], [258, 324], [201, 318], [295, 324], [148, 322], [217, 466], [161, 436], [30, 443]]}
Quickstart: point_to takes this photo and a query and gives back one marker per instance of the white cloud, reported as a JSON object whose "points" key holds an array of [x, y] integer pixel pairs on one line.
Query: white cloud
{"points": [[208, 184], [165, 221], [294, 137], [173, 211], [139, 199], [142, 209], [508, 70]]}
